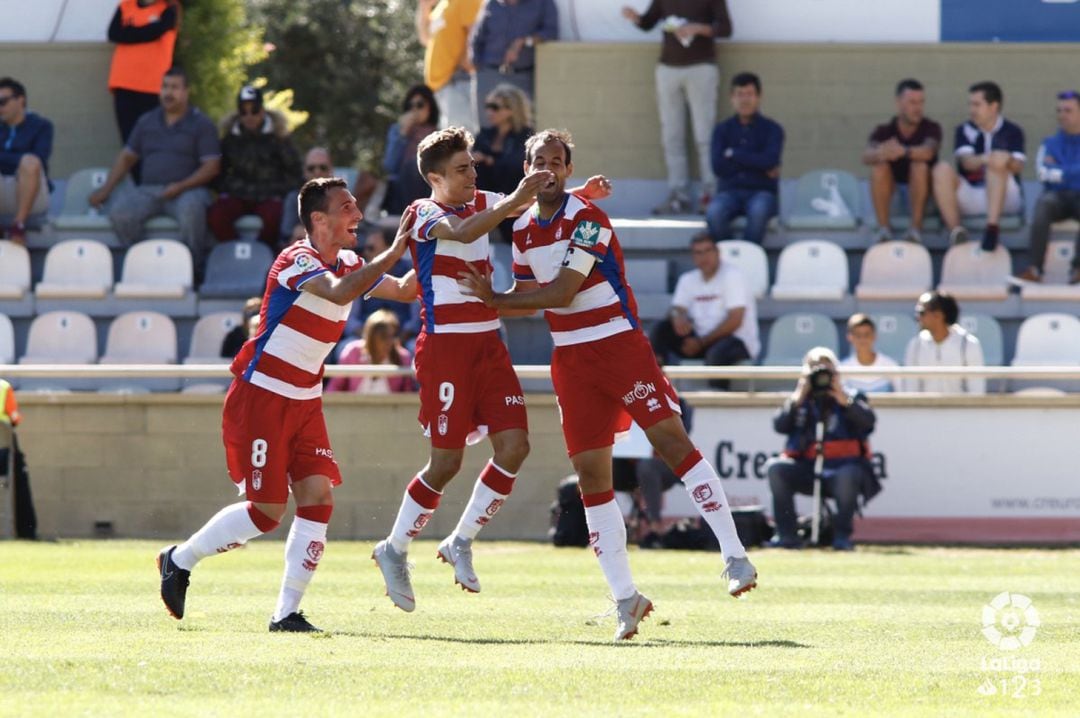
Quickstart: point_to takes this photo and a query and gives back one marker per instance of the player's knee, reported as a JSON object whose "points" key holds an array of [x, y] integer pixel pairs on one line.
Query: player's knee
{"points": [[266, 517], [513, 452]]}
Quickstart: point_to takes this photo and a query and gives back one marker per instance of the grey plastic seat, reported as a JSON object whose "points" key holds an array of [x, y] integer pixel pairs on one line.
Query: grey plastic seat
{"points": [[826, 199], [237, 270], [792, 335]]}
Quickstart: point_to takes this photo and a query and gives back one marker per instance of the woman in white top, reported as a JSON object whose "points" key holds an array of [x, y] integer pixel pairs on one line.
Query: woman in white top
{"points": [[942, 342], [861, 334]]}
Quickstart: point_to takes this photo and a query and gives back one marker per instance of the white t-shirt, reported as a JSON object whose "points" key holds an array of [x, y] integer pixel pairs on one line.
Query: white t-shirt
{"points": [[960, 348], [865, 383], [708, 303]]}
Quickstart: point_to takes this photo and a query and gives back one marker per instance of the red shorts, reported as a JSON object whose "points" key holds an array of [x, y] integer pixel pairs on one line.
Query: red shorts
{"points": [[467, 382], [602, 385], [271, 441]]}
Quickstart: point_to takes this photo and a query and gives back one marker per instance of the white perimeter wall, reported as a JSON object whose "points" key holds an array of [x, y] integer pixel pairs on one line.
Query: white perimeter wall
{"points": [[55, 20]]}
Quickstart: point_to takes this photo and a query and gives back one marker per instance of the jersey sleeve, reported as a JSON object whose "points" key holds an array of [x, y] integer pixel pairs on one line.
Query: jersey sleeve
{"points": [[428, 214], [520, 266], [963, 145], [301, 267], [589, 240]]}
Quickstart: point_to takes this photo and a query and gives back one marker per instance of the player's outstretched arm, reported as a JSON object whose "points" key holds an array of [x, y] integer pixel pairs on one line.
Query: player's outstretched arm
{"points": [[474, 227], [346, 289], [596, 187], [398, 289], [559, 293]]}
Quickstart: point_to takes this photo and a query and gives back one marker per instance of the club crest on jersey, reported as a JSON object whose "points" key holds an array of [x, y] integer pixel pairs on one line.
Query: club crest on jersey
{"points": [[444, 424], [304, 262], [558, 232], [426, 211], [640, 391], [256, 480], [587, 234]]}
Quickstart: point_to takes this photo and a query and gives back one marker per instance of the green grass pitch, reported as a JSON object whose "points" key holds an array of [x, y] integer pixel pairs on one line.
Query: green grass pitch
{"points": [[883, 631]]}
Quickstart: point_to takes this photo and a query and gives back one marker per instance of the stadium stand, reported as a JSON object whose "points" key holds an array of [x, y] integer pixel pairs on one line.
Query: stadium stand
{"points": [[157, 275], [826, 199], [1055, 286], [792, 335], [812, 270], [649, 280], [1050, 339], [60, 337], [234, 271], [206, 340], [141, 337], [894, 331], [751, 261], [78, 275], [969, 273], [894, 271], [16, 299], [7, 340]]}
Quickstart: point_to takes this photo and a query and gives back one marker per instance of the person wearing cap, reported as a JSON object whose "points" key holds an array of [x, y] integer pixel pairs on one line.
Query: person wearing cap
{"points": [[259, 166], [145, 35], [847, 473], [25, 517], [180, 154]]}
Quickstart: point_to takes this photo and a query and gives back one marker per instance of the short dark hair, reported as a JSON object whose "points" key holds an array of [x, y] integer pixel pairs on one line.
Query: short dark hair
{"points": [[860, 319], [906, 84], [16, 87], [746, 78], [435, 150], [429, 97], [991, 91], [177, 71], [314, 197], [942, 302], [543, 137], [701, 238]]}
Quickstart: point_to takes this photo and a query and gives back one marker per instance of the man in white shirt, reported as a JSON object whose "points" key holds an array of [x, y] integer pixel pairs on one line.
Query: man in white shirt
{"points": [[861, 334], [713, 314], [942, 342]]}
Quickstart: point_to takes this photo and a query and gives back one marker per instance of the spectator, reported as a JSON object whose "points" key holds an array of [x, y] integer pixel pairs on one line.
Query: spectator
{"points": [[259, 167], [499, 149], [374, 241], [24, 159], [379, 346], [942, 342], [247, 328], [317, 163], [713, 314], [989, 160], [145, 34], [900, 154], [25, 517], [861, 334], [1058, 165], [745, 153], [443, 29], [686, 75], [847, 473], [180, 155], [420, 117], [503, 44]]}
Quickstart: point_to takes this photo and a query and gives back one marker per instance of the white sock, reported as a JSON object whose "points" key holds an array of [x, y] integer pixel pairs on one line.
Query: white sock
{"points": [[303, 549], [607, 536], [704, 487], [489, 493], [417, 506], [229, 528]]}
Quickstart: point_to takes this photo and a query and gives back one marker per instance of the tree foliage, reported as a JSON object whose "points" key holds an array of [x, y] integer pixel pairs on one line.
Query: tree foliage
{"points": [[348, 63], [216, 46]]}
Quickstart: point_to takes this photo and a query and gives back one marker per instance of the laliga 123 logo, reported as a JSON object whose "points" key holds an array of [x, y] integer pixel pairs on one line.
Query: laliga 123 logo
{"points": [[1010, 621]]}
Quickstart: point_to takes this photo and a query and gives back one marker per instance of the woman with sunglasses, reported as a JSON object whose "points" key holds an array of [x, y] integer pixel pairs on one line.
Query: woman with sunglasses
{"points": [[499, 150], [419, 118]]}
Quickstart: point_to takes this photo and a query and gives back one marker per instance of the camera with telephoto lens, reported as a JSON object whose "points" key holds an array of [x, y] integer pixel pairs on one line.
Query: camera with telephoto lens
{"points": [[820, 379]]}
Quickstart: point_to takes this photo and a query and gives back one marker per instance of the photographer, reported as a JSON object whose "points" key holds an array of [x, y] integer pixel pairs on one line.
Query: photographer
{"points": [[848, 421]]}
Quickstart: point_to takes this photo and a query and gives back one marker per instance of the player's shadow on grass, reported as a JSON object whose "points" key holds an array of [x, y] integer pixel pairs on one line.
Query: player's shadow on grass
{"points": [[646, 642]]}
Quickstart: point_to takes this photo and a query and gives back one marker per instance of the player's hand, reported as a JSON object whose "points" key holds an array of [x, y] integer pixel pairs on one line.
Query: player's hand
{"points": [[681, 325], [531, 184], [171, 191], [98, 197], [802, 391], [477, 284], [692, 346], [401, 239], [596, 187], [631, 14], [512, 53]]}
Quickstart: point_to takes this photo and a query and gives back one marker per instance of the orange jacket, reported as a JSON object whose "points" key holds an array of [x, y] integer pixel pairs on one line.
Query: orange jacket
{"points": [[139, 66], [9, 410]]}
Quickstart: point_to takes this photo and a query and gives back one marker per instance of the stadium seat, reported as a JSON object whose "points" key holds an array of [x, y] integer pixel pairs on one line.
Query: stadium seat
{"points": [[7, 340], [14, 270], [969, 273], [811, 269], [206, 341], [156, 268], [894, 271], [237, 270], [1056, 270], [894, 331], [141, 338], [76, 269], [77, 214], [988, 331], [826, 199], [647, 276], [792, 335], [248, 227], [1048, 339], [751, 261], [62, 337]]}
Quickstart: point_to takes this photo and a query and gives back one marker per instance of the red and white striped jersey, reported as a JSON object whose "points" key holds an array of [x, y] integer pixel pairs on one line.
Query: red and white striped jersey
{"points": [[578, 237], [297, 330], [444, 308]]}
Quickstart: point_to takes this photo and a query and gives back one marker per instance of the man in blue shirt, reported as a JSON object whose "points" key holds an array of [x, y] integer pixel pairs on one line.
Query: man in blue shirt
{"points": [[989, 159], [1058, 165], [745, 152], [25, 145], [503, 45]]}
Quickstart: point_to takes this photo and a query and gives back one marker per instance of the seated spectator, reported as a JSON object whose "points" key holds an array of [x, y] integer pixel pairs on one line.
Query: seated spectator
{"points": [[713, 313], [989, 160], [145, 35], [379, 345], [502, 47], [1058, 166], [25, 146], [900, 154], [181, 156], [861, 334], [499, 149], [259, 166], [317, 163], [246, 329], [942, 342], [847, 473], [745, 150], [374, 241], [419, 118]]}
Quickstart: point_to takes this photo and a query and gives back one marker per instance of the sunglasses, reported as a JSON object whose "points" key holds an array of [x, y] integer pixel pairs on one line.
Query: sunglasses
{"points": [[495, 106], [318, 168], [251, 112]]}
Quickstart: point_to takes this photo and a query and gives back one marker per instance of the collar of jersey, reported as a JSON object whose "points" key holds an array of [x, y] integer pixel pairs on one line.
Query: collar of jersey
{"points": [[306, 241], [545, 222]]}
